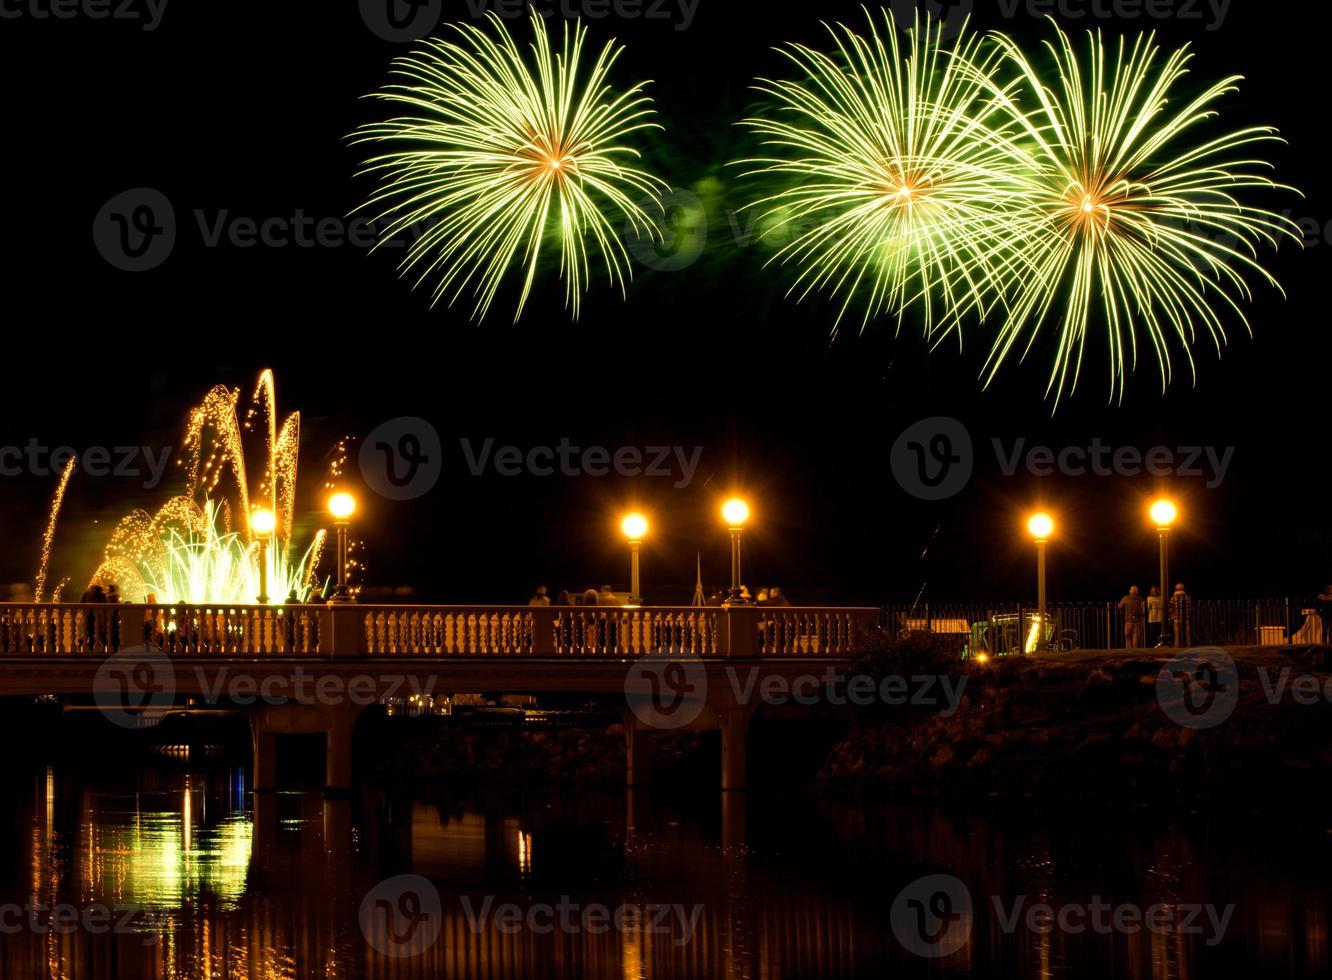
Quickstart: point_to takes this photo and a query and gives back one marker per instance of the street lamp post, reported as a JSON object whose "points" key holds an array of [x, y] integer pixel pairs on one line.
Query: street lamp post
{"points": [[735, 512], [342, 506], [634, 527], [262, 522], [1163, 513], [1040, 526]]}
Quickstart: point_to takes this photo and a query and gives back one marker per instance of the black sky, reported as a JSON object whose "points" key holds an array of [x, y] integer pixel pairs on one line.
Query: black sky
{"points": [[244, 109]]}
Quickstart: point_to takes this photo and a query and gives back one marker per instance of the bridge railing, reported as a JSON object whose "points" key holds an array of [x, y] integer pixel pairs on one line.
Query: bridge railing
{"points": [[354, 630]]}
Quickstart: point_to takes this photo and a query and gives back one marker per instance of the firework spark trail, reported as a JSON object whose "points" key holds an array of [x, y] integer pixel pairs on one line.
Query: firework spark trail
{"points": [[210, 458], [1129, 223], [48, 537], [898, 174], [967, 183], [189, 550], [495, 154]]}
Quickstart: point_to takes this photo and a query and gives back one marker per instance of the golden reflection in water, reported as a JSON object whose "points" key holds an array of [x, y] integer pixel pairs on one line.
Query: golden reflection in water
{"points": [[156, 850], [235, 909]]}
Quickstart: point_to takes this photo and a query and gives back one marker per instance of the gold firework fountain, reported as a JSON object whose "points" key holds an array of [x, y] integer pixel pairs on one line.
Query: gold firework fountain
{"points": [[199, 546]]}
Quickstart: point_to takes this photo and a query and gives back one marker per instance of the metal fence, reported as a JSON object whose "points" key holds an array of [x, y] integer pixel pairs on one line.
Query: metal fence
{"points": [[1009, 627]]}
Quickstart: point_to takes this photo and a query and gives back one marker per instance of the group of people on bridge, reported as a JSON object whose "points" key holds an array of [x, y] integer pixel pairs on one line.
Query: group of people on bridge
{"points": [[1151, 619]]}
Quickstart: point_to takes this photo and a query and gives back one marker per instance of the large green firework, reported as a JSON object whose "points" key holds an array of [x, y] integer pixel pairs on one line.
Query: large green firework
{"points": [[500, 156], [891, 171], [1083, 196], [1134, 223]]}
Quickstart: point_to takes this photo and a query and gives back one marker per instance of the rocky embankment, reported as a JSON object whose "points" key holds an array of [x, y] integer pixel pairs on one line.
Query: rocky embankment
{"points": [[1095, 724]]}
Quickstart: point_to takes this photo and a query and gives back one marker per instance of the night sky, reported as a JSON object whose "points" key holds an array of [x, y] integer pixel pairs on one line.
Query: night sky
{"points": [[234, 111]]}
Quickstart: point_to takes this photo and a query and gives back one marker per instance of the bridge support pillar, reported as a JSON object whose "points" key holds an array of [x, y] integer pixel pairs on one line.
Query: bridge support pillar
{"points": [[335, 722], [734, 724], [265, 760], [338, 743], [637, 754]]}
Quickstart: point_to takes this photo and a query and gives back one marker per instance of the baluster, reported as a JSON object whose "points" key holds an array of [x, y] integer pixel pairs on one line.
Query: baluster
{"points": [[381, 633]]}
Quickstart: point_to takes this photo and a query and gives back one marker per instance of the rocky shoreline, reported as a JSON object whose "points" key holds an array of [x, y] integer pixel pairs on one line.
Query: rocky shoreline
{"points": [[1091, 724]]}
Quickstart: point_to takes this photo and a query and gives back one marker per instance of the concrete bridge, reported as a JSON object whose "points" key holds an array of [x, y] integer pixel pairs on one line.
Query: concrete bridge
{"points": [[311, 669]]}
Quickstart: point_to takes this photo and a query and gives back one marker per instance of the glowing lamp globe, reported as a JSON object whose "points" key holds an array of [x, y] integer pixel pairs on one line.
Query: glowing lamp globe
{"points": [[1163, 513], [634, 526], [341, 506], [735, 512], [1040, 526], [262, 522]]}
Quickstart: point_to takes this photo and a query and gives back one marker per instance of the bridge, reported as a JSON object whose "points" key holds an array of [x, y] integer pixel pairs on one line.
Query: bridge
{"points": [[311, 669]]}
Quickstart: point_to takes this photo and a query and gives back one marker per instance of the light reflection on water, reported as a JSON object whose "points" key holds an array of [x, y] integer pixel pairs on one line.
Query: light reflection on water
{"points": [[236, 884]]}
